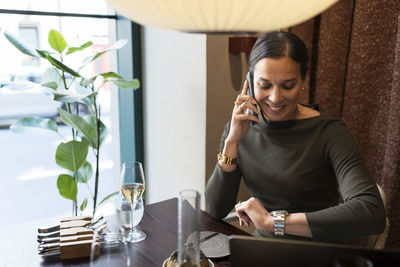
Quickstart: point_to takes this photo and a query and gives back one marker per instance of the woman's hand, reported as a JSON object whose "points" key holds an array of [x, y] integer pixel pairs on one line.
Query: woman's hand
{"points": [[252, 211], [239, 127], [241, 117]]}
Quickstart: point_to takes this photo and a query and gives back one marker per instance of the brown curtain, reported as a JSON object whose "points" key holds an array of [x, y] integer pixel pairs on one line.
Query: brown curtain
{"points": [[355, 74]]}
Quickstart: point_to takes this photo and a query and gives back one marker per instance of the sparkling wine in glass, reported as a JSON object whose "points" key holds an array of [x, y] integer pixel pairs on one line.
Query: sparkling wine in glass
{"points": [[132, 188]]}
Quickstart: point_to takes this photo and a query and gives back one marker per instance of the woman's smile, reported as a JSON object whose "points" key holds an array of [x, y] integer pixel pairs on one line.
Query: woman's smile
{"points": [[278, 87]]}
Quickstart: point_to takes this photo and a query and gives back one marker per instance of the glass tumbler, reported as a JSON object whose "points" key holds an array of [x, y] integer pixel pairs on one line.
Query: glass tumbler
{"points": [[189, 228]]}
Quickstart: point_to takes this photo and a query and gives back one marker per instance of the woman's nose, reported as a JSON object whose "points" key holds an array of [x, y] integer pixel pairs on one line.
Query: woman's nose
{"points": [[275, 95]]}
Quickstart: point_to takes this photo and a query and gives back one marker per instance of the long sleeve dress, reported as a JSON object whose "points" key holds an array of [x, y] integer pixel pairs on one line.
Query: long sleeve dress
{"points": [[302, 166]]}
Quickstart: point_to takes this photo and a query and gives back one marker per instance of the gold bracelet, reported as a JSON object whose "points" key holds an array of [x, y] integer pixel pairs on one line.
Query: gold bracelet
{"points": [[225, 159]]}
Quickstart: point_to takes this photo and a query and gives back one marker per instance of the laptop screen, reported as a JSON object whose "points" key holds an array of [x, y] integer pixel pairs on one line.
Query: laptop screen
{"points": [[275, 252]]}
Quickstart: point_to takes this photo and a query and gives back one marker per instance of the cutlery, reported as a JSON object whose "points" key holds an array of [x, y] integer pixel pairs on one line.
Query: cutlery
{"points": [[66, 222], [55, 237], [99, 225], [207, 237], [50, 245], [57, 247], [61, 239], [73, 249]]}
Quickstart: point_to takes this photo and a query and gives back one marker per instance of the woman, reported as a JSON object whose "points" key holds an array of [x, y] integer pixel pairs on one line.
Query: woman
{"points": [[294, 160]]}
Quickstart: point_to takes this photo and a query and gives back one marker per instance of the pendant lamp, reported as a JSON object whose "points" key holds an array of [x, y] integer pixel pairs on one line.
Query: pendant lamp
{"points": [[220, 16]]}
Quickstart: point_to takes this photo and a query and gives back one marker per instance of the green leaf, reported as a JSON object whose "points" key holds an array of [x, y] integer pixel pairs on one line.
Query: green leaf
{"points": [[72, 155], [62, 66], [93, 58], [75, 49], [21, 45], [57, 41], [52, 85], [111, 74], [84, 204], [108, 197], [33, 124], [103, 132], [43, 53], [117, 45], [85, 82], [67, 186], [103, 129], [19, 86], [67, 96], [51, 75], [134, 84], [77, 122], [85, 172]]}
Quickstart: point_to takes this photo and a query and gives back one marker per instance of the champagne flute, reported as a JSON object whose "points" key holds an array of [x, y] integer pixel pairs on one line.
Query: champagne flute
{"points": [[132, 188]]}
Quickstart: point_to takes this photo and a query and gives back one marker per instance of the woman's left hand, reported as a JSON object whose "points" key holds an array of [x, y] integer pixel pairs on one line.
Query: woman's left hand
{"points": [[252, 211]]}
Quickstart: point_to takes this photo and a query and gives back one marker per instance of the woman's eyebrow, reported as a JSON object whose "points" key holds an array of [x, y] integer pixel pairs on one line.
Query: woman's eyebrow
{"points": [[285, 81], [290, 80]]}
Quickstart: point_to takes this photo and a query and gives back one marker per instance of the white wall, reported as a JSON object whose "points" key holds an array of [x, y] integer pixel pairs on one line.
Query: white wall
{"points": [[174, 81]]}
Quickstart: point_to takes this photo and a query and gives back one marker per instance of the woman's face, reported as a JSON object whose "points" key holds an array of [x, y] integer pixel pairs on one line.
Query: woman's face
{"points": [[277, 87]]}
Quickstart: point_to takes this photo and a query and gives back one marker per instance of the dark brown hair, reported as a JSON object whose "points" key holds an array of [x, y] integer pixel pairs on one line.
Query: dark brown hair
{"points": [[279, 44]]}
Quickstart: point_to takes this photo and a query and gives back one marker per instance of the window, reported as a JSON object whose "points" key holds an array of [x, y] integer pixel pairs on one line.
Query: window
{"points": [[30, 34], [28, 169]]}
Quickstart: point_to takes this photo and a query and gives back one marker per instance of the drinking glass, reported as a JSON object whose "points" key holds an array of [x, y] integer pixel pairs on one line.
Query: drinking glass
{"points": [[132, 188], [189, 228], [123, 210]]}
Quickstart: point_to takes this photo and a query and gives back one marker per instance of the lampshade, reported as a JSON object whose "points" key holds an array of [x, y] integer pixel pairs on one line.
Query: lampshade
{"points": [[220, 15]]}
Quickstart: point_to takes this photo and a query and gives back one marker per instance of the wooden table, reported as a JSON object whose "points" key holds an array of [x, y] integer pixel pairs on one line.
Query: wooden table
{"points": [[159, 223]]}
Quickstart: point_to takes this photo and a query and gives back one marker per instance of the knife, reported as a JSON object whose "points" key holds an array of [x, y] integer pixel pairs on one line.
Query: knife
{"points": [[189, 244]]}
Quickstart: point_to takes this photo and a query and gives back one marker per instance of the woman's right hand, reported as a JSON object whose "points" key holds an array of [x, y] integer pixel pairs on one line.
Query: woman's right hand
{"points": [[241, 117], [240, 124]]}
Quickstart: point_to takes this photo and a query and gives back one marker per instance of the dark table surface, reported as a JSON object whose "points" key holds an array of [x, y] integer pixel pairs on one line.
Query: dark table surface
{"points": [[159, 222]]}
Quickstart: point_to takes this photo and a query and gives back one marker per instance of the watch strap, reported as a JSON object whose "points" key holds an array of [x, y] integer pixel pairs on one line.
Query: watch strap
{"points": [[279, 221]]}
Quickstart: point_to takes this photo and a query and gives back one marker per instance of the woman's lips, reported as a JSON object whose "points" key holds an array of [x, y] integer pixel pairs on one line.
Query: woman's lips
{"points": [[275, 109]]}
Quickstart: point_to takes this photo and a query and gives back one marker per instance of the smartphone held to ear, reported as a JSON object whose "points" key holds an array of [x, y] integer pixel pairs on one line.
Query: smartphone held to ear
{"points": [[250, 92]]}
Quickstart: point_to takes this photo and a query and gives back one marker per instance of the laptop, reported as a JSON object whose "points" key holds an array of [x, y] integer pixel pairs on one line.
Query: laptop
{"points": [[275, 252]]}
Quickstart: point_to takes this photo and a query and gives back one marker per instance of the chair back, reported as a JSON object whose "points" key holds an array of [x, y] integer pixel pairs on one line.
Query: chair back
{"points": [[379, 241]]}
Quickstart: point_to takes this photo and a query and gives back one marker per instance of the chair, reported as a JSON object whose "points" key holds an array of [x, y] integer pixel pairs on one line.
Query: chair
{"points": [[379, 241]]}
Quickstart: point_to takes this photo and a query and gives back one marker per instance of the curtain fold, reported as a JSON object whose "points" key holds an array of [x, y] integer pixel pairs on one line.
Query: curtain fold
{"points": [[355, 65]]}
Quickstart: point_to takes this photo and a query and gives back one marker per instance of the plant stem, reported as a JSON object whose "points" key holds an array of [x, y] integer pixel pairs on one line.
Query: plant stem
{"points": [[75, 202], [96, 184]]}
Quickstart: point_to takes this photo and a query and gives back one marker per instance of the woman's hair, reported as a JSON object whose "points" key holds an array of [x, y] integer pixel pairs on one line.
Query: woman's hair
{"points": [[279, 44]]}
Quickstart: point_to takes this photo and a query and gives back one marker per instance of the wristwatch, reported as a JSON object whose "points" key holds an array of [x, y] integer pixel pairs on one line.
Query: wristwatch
{"points": [[279, 221]]}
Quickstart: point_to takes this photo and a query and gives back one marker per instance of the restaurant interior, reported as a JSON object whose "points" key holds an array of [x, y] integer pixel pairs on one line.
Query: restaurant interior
{"points": [[191, 71]]}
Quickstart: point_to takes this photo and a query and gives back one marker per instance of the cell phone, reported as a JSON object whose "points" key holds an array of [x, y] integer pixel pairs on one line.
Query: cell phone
{"points": [[250, 92]]}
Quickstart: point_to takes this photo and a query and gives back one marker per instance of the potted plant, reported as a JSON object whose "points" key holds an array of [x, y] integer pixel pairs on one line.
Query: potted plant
{"points": [[67, 85]]}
